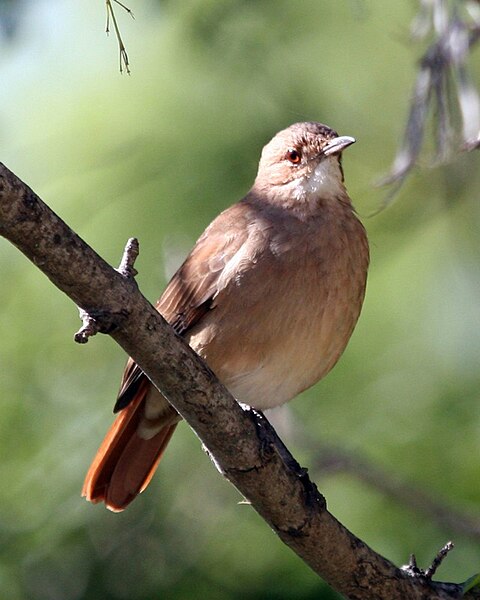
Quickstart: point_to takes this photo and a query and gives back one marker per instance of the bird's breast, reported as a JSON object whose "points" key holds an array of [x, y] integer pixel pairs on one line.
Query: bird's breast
{"points": [[282, 325]]}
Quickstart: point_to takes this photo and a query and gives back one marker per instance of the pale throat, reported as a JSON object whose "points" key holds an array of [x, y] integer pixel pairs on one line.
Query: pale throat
{"points": [[324, 181]]}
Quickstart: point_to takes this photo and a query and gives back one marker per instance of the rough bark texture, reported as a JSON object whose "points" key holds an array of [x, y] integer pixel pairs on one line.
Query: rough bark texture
{"points": [[243, 444]]}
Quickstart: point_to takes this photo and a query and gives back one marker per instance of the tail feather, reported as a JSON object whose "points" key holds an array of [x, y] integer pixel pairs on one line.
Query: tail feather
{"points": [[136, 468], [125, 461]]}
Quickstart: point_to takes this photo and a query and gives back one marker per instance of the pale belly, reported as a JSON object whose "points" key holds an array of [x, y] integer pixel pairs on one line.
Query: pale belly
{"points": [[284, 337]]}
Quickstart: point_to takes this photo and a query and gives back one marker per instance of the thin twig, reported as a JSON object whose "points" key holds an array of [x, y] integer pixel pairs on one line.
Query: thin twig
{"points": [[415, 571], [130, 255], [124, 62], [129, 11], [95, 321], [437, 561], [88, 329]]}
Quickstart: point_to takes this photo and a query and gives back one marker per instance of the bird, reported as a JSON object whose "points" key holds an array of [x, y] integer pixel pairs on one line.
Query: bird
{"points": [[268, 297]]}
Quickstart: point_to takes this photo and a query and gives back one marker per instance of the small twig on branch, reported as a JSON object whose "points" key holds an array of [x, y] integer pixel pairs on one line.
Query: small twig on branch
{"points": [[88, 329], [415, 571], [437, 561], [130, 255], [91, 326], [244, 446], [124, 63], [124, 8]]}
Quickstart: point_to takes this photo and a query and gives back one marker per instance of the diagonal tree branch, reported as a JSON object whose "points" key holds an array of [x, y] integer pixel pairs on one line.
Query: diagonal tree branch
{"points": [[243, 444]]}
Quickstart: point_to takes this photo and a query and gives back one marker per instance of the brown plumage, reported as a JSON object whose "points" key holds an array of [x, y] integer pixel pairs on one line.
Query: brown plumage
{"points": [[269, 297]]}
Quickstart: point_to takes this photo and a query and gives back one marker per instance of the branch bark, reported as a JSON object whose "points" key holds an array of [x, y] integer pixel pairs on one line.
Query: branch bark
{"points": [[243, 444]]}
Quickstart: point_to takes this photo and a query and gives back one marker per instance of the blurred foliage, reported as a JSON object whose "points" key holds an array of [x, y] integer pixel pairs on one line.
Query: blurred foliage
{"points": [[443, 87], [157, 155], [10, 14]]}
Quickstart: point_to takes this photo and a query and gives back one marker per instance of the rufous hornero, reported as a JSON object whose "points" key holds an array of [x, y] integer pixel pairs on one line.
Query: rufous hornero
{"points": [[268, 296]]}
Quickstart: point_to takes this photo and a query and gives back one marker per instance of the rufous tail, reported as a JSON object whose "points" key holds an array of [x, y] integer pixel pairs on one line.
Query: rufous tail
{"points": [[126, 462]]}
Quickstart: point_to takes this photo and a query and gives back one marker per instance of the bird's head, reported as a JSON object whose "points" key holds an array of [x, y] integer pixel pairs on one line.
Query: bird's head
{"points": [[304, 162]]}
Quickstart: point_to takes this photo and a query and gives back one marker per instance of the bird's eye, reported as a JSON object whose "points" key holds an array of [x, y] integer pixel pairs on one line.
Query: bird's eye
{"points": [[294, 156]]}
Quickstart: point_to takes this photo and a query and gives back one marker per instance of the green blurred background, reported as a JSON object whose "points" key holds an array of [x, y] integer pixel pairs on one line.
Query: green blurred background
{"points": [[157, 155]]}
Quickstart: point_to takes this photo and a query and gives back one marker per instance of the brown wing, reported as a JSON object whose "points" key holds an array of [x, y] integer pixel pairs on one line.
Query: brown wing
{"points": [[192, 289]]}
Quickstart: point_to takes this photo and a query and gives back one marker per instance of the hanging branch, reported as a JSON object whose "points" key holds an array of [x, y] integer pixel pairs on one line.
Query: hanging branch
{"points": [[124, 63], [443, 87]]}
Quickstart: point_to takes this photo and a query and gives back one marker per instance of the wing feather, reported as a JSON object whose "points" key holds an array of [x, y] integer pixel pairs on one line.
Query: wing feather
{"points": [[192, 289]]}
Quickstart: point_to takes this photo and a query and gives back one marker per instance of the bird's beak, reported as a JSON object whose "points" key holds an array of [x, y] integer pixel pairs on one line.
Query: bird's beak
{"points": [[338, 144]]}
